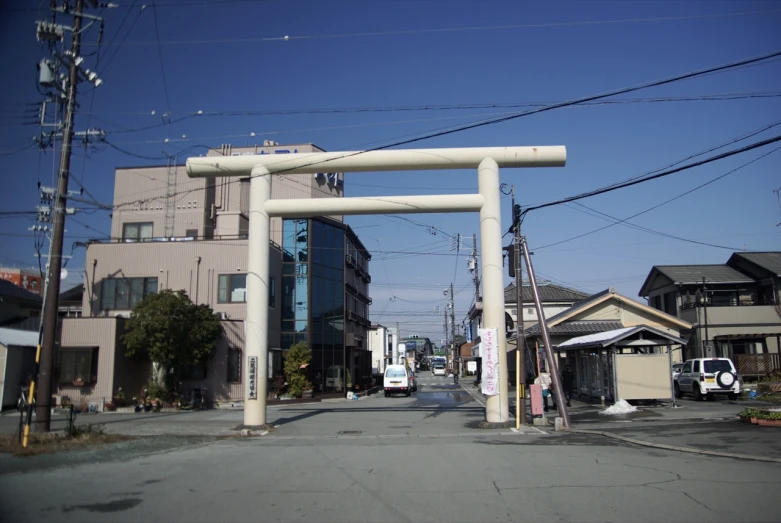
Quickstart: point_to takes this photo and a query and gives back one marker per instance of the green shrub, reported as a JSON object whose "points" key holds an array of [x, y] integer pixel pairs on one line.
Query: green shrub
{"points": [[298, 355]]}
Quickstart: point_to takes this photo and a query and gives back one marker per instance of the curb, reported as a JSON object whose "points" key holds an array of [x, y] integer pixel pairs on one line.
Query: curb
{"points": [[690, 450]]}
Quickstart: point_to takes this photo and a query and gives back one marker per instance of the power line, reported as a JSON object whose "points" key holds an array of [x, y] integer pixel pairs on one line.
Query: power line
{"points": [[111, 58], [618, 221], [286, 38], [739, 95], [669, 80], [655, 176], [160, 56]]}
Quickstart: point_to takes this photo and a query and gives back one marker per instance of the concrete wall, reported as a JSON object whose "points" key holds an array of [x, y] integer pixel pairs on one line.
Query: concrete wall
{"points": [[16, 363], [103, 334], [377, 340], [216, 381], [643, 377]]}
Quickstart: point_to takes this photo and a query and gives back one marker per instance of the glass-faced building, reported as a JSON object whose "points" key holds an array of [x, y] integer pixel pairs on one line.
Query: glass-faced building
{"points": [[325, 301]]}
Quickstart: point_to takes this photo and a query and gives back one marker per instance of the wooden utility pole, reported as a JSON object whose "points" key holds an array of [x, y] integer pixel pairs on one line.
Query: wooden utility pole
{"points": [[45, 373], [520, 355]]}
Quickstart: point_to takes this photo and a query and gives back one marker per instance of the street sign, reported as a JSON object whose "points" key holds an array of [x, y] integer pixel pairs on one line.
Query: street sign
{"points": [[252, 379]]}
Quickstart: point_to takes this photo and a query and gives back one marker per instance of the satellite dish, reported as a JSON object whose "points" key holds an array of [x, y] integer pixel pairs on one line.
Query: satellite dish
{"points": [[63, 274]]}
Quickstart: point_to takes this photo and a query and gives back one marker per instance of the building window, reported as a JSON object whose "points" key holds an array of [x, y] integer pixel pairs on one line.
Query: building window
{"points": [[191, 233], [140, 231], [78, 366], [272, 292], [125, 293], [234, 365], [232, 288]]}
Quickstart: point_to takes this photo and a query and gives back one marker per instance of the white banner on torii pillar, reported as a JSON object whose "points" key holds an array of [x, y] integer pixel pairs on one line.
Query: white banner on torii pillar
{"points": [[490, 367]]}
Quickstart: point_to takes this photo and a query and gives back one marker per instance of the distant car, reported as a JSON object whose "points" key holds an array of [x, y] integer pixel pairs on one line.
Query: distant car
{"points": [[706, 377], [439, 370], [396, 379], [677, 370]]}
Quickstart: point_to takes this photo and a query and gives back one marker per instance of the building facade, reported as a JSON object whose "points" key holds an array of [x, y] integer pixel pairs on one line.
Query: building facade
{"points": [[179, 233], [734, 307]]}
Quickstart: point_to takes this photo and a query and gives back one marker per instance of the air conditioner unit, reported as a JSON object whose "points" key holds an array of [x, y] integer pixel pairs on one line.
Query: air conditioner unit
{"points": [[224, 315]]}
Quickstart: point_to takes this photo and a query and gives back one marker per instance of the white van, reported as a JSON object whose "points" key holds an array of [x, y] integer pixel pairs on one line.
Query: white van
{"points": [[396, 379]]}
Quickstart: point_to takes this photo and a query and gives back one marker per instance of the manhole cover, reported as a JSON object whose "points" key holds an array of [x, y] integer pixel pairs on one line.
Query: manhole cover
{"points": [[350, 432]]}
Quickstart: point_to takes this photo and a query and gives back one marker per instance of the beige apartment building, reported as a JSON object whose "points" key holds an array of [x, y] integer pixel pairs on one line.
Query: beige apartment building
{"points": [[170, 231]]}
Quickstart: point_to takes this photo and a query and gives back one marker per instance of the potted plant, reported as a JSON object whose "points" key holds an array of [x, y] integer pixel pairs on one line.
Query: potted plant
{"points": [[768, 418]]}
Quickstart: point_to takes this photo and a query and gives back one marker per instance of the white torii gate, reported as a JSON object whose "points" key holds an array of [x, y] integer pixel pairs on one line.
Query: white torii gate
{"points": [[261, 168]]}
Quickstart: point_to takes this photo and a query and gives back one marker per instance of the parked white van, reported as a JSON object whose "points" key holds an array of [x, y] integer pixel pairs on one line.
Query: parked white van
{"points": [[396, 379]]}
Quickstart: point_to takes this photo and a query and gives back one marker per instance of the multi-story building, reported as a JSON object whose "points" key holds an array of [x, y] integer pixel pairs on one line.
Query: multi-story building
{"points": [[734, 307], [170, 231]]}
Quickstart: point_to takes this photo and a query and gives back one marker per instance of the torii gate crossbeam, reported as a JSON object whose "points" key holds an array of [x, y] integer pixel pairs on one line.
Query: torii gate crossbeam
{"points": [[261, 168]]}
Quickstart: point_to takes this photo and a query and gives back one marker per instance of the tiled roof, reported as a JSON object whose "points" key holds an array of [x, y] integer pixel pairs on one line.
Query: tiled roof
{"points": [[73, 294], [549, 292], [770, 261], [11, 290], [695, 273], [578, 327]]}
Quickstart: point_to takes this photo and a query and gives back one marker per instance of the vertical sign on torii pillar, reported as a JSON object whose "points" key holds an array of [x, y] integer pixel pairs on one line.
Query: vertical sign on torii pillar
{"points": [[261, 169]]}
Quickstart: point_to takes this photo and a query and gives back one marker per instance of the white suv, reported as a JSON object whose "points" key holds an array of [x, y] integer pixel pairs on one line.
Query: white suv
{"points": [[704, 377]]}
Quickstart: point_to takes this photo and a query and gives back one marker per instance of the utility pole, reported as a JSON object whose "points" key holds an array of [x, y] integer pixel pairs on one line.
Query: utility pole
{"points": [[446, 344], [49, 321], [561, 402], [476, 266], [453, 329], [705, 314], [520, 339]]}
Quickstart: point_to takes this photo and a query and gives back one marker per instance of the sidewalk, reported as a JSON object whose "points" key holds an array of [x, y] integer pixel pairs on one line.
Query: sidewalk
{"points": [[706, 427]]}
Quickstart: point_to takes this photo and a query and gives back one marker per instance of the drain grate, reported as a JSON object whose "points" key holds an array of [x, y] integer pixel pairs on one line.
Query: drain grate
{"points": [[350, 432]]}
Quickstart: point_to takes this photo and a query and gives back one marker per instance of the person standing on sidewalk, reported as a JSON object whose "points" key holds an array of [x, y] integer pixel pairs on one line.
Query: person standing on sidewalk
{"points": [[567, 382], [545, 381]]}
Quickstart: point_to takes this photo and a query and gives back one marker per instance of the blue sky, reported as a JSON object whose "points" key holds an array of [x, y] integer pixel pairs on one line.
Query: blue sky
{"points": [[230, 57]]}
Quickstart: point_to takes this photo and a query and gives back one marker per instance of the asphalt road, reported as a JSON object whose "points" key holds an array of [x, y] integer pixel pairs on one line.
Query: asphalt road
{"points": [[384, 459]]}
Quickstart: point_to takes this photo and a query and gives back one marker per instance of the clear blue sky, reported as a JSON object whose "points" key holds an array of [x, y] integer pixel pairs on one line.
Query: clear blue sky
{"points": [[226, 56]]}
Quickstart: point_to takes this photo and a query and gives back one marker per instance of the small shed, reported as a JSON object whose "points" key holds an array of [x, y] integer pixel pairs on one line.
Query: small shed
{"points": [[632, 363], [17, 363]]}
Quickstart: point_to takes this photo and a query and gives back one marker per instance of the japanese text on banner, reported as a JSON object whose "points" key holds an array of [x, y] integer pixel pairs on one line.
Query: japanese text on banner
{"points": [[490, 374]]}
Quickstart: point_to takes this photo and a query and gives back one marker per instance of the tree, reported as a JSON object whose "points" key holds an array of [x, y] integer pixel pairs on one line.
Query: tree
{"points": [[173, 332], [298, 355]]}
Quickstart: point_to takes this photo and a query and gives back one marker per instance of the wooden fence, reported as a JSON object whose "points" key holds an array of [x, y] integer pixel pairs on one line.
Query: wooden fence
{"points": [[757, 364]]}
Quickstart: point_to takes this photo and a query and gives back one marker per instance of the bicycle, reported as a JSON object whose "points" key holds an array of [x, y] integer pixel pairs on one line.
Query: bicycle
{"points": [[22, 403], [455, 378]]}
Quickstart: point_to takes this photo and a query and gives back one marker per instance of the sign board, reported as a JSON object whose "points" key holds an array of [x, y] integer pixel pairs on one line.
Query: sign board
{"points": [[490, 348], [402, 349], [252, 377], [411, 345], [471, 366]]}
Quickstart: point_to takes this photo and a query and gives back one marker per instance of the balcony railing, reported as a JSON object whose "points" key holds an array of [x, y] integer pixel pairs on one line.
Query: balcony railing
{"points": [[727, 303]]}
